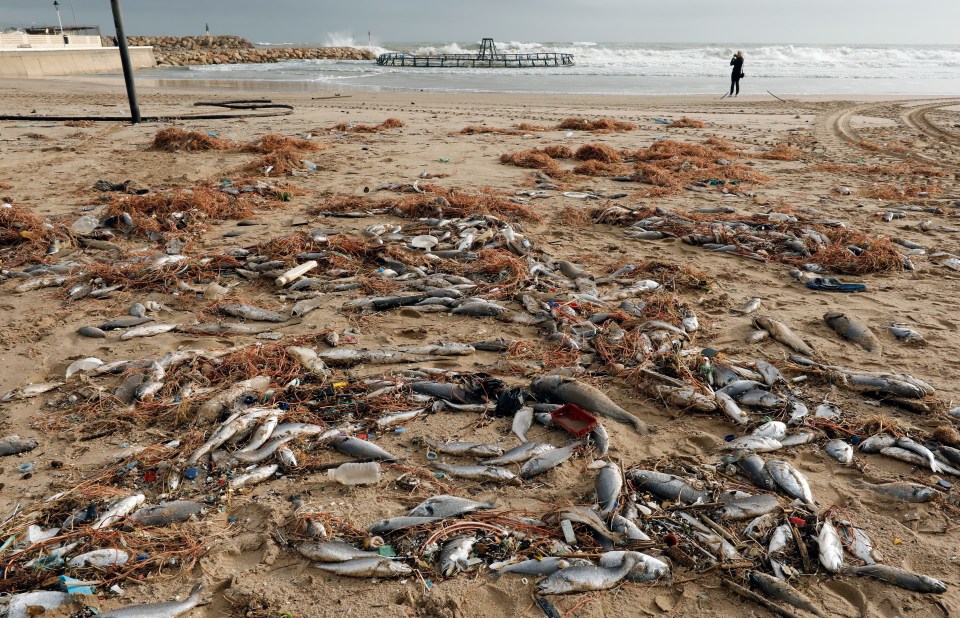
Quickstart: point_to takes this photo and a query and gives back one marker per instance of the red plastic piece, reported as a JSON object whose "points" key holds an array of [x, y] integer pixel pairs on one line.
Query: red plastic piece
{"points": [[574, 419], [798, 521]]}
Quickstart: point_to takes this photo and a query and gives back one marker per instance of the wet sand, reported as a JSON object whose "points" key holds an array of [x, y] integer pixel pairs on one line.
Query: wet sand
{"points": [[50, 168]]}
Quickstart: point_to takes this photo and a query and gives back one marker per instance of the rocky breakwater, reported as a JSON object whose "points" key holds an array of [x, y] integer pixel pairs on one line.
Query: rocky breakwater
{"points": [[186, 51]]}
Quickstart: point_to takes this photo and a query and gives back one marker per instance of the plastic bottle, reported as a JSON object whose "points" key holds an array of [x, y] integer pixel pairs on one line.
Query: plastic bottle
{"points": [[356, 473]]}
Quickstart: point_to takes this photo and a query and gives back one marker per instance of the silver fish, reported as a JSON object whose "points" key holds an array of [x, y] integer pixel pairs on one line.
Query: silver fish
{"points": [[801, 437], [587, 397], [257, 475], [667, 486], [262, 434], [14, 445], [228, 429], [362, 449], [628, 528], [873, 444], [780, 332], [167, 513], [148, 330], [399, 523], [771, 429], [585, 578], [780, 590], [748, 507], [454, 555], [447, 506], [857, 541], [118, 510], [100, 558], [519, 454], [780, 538], [647, 568], [366, 567], [731, 409], [760, 398], [771, 375], [748, 307], [609, 484], [790, 480], [456, 447], [900, 577], [906, 334], [168, 609], [839, 450], [921, 450], [753, 443], [333, 551], [587, 517], [522, 420], [249, 312], [831, 549], [600, 441], [908, 492], [547, 460], [537, 568], [480, 473]]}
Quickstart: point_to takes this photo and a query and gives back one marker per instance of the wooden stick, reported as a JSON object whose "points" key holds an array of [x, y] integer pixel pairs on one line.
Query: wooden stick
{"points": [[802, 547], [776, 97], [756, 598]]}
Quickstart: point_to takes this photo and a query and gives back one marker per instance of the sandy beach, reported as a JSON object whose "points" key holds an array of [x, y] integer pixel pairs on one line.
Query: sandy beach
{"points": [[883, 168]]}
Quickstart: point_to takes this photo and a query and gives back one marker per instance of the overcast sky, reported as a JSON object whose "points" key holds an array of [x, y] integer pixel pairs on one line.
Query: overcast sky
{"points": [[666, 21]]}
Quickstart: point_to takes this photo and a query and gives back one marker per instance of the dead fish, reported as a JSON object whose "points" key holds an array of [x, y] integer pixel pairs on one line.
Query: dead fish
{"points": [[748, 507], [752, 443], [626, 527], [908, 492], [168, 609], [237, 424], [30, 390], [100, 558], [447, 506], [539, 567], [780, 590], [791, 481], [519, 454], [363, 449], [92, 332], [647, 568], [128, 322], [757, 336], [396, 418], [118, 510], [780, 538], [748, 307], [752, 466], [309, 360], [212, 408], [14, 445], [399, 523], [830, 547], [600, 440], [479, 473], [874, 444], [771, 429], [455, 554], [166, 513], [852, 331], [260, 436], [900, 577], [585, 578], [333, 551], [907, 335], [257, 475], [148, 330], [839, 450], [780, 332], [587, 397], [771, 375], [547, 460], [760, 399], [857, 541], [366, 567], [458, 447], [609, 484], [38, 283], [522, 420], [919, 449], [249, 312], [587, 517], [667, 486], [731, 409]]}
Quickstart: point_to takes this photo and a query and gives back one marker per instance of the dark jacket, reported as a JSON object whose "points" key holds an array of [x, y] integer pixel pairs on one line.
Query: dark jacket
{"points": [[737, 64]]}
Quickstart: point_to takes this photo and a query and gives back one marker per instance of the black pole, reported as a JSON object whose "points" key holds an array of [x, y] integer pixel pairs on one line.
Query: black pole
{"points": [[125, 61]]}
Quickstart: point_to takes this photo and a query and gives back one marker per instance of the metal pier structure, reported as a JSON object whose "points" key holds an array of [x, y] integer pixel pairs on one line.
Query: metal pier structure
{"points": [[486, 57]]}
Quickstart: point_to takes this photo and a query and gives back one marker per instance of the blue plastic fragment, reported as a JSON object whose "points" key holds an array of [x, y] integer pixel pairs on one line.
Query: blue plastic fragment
{"points": [[856, 440], [729, 437], [190, 473], [76, 586]]}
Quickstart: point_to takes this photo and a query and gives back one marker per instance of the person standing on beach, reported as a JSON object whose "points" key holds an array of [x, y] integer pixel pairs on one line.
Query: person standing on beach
{"points": [[737, 63]]}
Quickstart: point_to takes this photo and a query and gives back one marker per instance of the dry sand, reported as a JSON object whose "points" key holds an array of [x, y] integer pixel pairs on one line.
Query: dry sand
{"points": [[51, 168]]}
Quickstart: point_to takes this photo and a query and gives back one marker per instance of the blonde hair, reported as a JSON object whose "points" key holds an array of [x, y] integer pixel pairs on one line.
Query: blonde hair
{"points": [[739, 53]]}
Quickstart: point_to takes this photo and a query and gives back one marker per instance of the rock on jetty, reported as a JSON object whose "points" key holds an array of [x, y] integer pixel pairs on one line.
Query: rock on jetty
{"points": [[192, 50]]}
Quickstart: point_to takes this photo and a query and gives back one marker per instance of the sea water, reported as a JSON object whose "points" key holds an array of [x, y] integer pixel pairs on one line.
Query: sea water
{"points": [[619, 68]]}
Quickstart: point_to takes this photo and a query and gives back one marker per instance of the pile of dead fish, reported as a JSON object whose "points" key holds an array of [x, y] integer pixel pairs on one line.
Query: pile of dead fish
{"points": [[777, 236]]}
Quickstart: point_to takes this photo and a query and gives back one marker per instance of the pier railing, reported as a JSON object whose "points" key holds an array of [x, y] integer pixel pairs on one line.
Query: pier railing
{"points": [[543, 59]]}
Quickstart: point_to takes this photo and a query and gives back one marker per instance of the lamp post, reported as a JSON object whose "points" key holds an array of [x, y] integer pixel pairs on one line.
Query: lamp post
{"points": [[125, 61], [56, 5]]}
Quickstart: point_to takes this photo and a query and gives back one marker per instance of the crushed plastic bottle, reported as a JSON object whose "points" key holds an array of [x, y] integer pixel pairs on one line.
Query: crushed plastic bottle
{"points": [[356, 473]]}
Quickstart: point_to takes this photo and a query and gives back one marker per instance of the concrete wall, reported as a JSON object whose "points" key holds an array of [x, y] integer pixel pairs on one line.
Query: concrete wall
{"points": [[45, 62], [21, 40]]}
